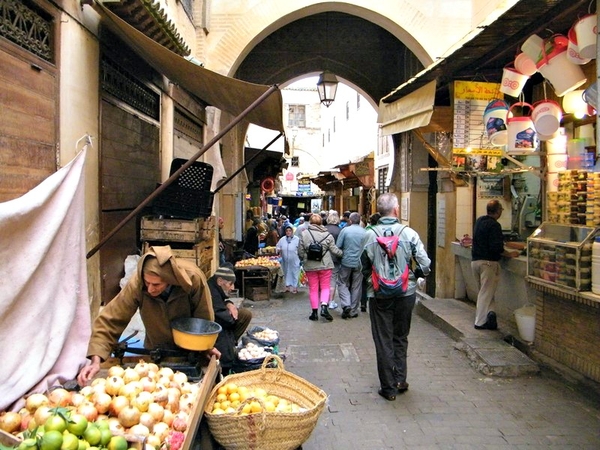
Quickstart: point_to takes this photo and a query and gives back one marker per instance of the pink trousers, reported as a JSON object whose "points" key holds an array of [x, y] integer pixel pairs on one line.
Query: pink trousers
{"points": [[318, 287]]}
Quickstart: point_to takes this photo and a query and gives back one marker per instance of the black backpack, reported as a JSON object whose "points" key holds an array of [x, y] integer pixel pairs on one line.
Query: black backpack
{"points": [[315, 249]]}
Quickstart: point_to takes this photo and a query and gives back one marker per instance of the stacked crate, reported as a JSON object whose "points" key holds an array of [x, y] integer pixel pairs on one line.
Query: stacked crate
{"points": [[191, 239]]}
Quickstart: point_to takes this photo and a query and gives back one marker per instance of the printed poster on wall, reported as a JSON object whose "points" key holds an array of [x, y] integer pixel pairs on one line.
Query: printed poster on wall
{"points": [[471, 149]]}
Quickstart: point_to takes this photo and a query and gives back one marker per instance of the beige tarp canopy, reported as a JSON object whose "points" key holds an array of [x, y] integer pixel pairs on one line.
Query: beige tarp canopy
{"points": [[409, 112], [228, 94]]}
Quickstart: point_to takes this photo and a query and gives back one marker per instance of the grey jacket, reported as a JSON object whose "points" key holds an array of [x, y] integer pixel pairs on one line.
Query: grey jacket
{"points": [[320, 233], [411, 241]]}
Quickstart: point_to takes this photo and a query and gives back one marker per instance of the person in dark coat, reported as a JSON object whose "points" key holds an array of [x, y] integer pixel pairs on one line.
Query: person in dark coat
{"points": [[234, 321], [252, 241]]}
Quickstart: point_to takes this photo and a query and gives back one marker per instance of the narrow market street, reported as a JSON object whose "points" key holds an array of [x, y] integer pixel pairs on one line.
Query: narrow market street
{"points": [[449, 405]]}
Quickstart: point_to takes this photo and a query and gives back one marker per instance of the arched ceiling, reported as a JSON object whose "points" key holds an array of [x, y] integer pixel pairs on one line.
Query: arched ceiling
{"points": [[355, 49]]}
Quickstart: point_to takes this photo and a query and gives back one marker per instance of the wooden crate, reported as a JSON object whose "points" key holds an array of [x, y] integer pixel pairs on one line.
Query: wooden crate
{"points": [[177, 230], [191, 254], [196, 414], [8, 439]]}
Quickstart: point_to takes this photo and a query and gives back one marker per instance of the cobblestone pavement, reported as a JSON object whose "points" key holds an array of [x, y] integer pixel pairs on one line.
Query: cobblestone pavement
{"points": [[449, 404]]}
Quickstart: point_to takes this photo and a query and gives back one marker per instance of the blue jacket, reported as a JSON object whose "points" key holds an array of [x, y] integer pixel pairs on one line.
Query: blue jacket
{"points": [[350, 241]]}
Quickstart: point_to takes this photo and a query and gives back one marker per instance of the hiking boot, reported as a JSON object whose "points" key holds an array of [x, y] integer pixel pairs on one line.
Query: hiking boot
{"points": [[325, 313], [346, 312]]}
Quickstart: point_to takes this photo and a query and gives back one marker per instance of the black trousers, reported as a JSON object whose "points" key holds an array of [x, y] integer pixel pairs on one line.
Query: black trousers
{"points": [[390, 325]]}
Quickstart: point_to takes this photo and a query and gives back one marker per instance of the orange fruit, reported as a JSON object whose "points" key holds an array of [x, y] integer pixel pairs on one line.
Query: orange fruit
{"points": [[255, 407], [52, 440], [231, 388], [222, 390], [55, 422]]}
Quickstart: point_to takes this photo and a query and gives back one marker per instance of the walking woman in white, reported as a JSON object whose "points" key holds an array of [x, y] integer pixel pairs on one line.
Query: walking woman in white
{"points": [[287, 247]]}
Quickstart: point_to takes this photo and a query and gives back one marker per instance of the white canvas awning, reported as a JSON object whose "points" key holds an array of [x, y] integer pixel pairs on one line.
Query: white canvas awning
{"points": [[410, 112], [228, 94]]}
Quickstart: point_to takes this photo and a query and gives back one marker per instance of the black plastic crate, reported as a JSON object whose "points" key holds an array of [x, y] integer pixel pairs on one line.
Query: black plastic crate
{"points": [[189, 196], [196, 177]]}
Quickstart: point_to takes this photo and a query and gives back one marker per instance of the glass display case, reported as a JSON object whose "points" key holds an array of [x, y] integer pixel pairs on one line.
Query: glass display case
{"points": [[562, 255]]}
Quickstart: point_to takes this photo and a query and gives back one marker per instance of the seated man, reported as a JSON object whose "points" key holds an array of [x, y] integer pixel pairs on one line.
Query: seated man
{"points": [[163, 289], [234, 321]]}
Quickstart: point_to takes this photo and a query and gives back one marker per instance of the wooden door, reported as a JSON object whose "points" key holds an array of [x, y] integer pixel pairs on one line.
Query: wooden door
{"points": [[28, 96]]}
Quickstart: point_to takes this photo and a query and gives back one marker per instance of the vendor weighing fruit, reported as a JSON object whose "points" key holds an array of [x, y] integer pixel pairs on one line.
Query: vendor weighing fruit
{"points": [[163, 288]]}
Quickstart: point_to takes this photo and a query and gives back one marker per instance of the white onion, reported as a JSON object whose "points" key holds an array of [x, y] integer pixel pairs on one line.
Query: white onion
{"points": [[157, 411], [140, 430], [34, 401], [147, 420]]}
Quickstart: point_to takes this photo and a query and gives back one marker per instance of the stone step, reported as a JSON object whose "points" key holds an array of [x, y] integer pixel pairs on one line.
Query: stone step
{"points": [[489, 351]]}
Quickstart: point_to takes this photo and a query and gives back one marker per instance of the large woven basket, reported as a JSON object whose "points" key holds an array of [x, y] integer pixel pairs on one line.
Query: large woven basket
{"points": [[268, 430]]}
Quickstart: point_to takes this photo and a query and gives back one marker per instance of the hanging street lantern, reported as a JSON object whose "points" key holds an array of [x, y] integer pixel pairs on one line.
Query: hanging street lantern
{"points": [[326, 86]]}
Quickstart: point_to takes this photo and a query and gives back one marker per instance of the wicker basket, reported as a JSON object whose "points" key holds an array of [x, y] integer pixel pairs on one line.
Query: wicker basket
{"points": [[268, 430]]}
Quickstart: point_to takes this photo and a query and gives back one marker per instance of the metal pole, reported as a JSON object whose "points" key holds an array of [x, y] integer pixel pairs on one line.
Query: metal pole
{"points": [[176, 174], [232, 176]]}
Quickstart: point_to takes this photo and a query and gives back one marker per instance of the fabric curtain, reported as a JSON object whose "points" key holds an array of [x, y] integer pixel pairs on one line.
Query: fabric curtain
{"points": [[45, 322]]}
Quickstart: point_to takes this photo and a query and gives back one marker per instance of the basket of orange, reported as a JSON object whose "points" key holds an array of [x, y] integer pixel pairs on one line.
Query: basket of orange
{"points": [[268, 409]]}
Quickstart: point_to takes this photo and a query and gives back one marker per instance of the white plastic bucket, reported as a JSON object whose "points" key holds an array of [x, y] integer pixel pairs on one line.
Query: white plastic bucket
{"points": [[525, 317], [549, 137], [552, 182], [586, 30], [532, 47], [590, 95], [525, 65], [513, 82], [494, 120], [521, 131], [546, 116], [557, 163], [557, 145], [563, 75], [573, 54]]}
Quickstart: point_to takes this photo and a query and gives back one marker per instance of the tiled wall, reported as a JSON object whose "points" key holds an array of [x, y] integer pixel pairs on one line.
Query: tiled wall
{"points": [[464, 211]]}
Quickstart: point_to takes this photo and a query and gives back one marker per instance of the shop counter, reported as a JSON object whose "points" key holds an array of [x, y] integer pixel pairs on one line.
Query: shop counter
{"points": [[513, 290]]}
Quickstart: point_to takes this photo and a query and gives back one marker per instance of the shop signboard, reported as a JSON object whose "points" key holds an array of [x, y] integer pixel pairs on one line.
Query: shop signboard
{"points": [[304, 185], [472, 150]]}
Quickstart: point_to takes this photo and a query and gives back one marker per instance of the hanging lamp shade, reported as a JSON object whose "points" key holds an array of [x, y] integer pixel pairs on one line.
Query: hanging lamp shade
{"points": [[327, 86]]}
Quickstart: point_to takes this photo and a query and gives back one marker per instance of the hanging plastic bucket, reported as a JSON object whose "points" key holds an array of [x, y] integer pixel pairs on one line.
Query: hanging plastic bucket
{"points": [[532, 47], [590, 95], [586, 30], [573, 53], [525, 317], [563, 75], [494, 119], [513, 82], [520, 130], [525, 64], [546, 116]]}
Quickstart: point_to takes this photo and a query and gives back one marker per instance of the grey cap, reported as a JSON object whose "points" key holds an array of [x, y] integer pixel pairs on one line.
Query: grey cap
{"points": [[226, 273]]}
